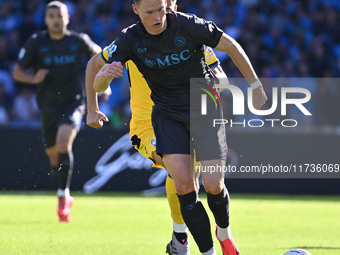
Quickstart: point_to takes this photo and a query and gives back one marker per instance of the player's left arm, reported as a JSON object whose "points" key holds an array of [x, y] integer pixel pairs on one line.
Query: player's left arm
{"points": [[219, 73], [241, 60]]}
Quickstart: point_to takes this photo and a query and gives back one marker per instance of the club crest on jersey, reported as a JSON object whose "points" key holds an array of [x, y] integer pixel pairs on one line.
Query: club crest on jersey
{"points": [[179, 41], [111, 48], [153, 142]]}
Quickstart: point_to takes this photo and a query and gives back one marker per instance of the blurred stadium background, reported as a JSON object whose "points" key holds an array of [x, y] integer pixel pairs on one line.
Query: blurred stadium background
{"points": [[283, 38]]}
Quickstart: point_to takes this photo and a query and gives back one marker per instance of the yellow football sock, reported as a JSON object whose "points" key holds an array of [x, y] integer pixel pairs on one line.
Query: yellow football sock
{"points": [[173, 201]]}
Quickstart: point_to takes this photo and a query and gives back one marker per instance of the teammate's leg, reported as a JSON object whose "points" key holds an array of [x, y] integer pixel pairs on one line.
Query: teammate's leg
{"points": [[64, 140], [65, 137], [52, 154]]}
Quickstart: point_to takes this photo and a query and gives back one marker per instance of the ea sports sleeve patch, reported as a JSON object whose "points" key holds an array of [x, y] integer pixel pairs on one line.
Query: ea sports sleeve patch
{"points": [[210, 57], [117, 51]]}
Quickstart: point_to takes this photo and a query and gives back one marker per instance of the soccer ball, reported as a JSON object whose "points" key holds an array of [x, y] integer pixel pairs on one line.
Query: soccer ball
{"points": [[297, 252]]}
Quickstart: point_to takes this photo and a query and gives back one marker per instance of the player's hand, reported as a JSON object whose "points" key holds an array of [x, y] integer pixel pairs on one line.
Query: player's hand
{"points": [[95, 119], [113, 70], [40, 75], [106, 94], [259, 97], [106, 74]]}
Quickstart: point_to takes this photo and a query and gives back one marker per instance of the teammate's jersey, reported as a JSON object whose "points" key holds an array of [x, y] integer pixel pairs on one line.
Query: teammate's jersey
{"points": [[63, 59], [140, 100], [168, 61]]}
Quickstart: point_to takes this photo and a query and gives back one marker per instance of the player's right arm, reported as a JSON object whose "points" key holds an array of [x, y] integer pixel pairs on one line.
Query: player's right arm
{"points": [[94, 115], [27, 54], [100, 71], [98, 78], [25, 76]]}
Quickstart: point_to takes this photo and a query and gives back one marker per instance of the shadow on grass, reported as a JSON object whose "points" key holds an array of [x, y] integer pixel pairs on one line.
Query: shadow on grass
{"points": [[320, 198]]}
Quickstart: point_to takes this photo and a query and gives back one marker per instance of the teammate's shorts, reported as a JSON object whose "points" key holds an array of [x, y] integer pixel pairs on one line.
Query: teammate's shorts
{"points": [[51, 120], [182, 133]]}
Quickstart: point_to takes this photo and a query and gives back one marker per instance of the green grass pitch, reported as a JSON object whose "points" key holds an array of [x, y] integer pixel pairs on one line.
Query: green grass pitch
{"points": [[128, 224]]}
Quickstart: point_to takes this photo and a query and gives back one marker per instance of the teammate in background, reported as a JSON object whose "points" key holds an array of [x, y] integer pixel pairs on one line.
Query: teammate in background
{"points": [[168, 50], [52, 60], [144, 140]]}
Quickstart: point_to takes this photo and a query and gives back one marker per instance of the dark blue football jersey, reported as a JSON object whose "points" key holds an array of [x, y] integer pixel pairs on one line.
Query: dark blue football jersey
{"points": [[63, 59], [170, 59]]}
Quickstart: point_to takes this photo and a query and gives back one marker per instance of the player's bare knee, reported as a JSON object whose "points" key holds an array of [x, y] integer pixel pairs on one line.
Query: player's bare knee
{"points": [[184, 187], [213, 186], [65, 138], [64, 144], [63, 147]]}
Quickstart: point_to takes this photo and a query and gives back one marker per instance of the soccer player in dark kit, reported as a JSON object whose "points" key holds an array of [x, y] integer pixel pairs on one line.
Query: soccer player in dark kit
{"points": [[143, 137], [168, 49], [52, 60]]}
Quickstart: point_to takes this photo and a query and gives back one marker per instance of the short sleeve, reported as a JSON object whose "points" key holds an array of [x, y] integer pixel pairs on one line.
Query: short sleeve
{"points": [[89, 45], [116, 51], [201, 31], [27, 52]]}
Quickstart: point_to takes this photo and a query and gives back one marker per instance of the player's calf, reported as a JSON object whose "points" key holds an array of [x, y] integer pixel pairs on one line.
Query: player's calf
{"points": [[197, 220]]}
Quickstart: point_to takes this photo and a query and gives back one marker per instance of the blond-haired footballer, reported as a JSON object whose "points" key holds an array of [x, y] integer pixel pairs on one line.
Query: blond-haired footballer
{"points": [[143, 137]]}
